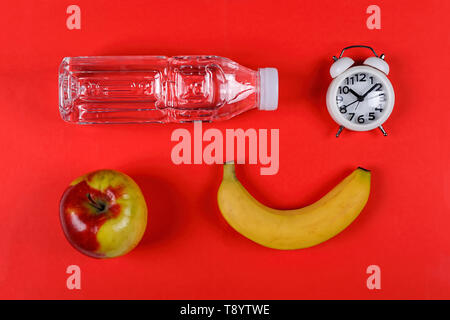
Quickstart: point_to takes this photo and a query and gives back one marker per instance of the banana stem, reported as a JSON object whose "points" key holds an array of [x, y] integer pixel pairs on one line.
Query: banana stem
{"points": [[229, 170]]}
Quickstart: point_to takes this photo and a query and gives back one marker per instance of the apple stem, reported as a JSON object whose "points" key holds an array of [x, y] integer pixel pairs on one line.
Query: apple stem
{"points": [[99, 206]]}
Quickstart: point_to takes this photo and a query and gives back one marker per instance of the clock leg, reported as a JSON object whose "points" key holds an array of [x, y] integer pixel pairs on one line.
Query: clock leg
{"points": [[339, 131], [383, 131]]}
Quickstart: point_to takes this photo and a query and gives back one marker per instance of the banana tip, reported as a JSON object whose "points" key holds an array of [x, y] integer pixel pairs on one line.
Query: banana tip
{"points": [[364, 169]]}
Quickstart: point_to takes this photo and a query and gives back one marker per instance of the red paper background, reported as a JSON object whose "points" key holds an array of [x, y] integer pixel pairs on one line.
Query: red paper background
{"points": [[188, 251]]}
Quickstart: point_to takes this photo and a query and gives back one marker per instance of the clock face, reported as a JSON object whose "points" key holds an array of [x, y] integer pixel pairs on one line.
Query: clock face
{"points": [[361, 98]]}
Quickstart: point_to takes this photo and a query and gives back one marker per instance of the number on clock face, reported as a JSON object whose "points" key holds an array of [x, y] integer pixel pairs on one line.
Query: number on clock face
{"points": [[361, 98]]}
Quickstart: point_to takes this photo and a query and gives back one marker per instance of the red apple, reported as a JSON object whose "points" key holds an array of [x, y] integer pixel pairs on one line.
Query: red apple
{"points": [[103, 214]]}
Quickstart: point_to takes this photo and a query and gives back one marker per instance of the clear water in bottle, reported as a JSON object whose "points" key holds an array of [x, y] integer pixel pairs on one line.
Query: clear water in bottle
{"points": [[134, 89]]}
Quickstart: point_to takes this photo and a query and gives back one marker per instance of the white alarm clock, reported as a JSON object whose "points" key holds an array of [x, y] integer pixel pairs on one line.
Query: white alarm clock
{"points": [[360, 98]]}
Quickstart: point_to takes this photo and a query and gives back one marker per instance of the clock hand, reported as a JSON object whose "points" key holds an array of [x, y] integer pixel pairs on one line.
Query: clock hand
{"points": [[370, 90], [351, 103], [355, 94], [357, 105]]}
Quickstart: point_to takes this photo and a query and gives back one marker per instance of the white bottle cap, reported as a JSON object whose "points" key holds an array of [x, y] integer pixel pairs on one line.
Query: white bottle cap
{"points": [[268, 92]]}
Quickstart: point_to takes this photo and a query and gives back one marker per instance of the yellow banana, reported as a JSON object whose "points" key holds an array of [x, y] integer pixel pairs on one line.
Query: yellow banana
{"points": [[292, 229]]}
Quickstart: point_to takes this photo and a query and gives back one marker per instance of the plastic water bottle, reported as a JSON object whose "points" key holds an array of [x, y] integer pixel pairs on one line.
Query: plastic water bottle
{"points": [[137, 89]]}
